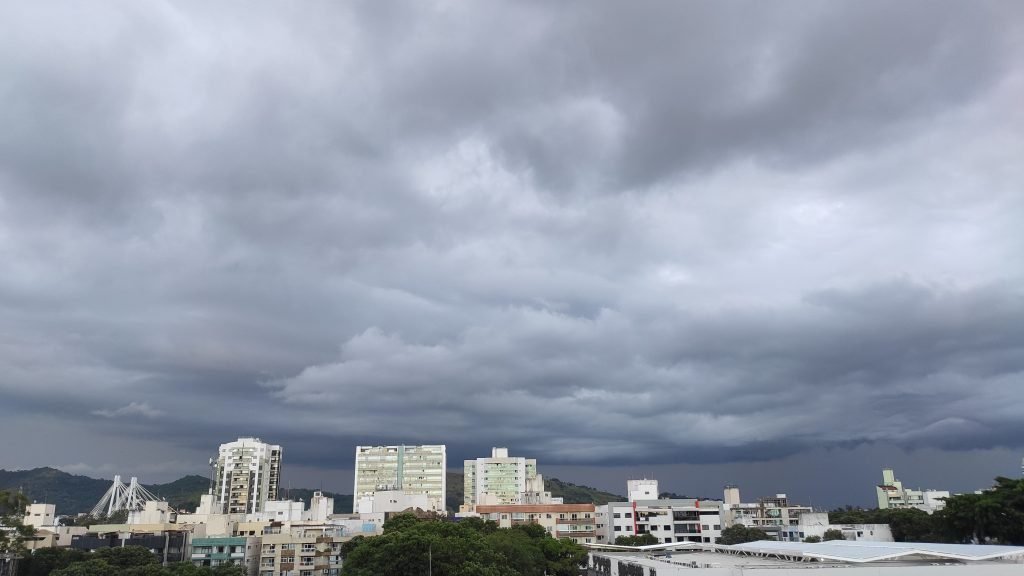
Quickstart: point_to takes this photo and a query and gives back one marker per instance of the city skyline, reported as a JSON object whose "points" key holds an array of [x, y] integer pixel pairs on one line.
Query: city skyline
{"points": [[771, 244]]}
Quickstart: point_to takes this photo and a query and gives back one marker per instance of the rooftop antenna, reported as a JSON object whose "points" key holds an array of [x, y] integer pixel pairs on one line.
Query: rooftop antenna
{"points": [[213, 474]]}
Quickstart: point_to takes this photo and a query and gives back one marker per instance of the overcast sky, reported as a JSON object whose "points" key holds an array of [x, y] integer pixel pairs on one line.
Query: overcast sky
{"points": [[779, 244]]}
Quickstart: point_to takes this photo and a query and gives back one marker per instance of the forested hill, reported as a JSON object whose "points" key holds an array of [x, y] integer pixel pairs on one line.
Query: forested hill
{"points": [[73, 494], [70, 493], [579, 494], [571, 493]]}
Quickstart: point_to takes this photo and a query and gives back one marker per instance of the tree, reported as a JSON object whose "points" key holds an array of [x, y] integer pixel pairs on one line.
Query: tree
{"points": [[229, 569], [119, 517], [833, 534], [45, 560], [812, 539], [994, 516], [126, 557], [738, 534], [518, 548], [564, 557], [641, 540], [94, 567], [12, 537], [479, 524], [411, 547], [400, 522]]}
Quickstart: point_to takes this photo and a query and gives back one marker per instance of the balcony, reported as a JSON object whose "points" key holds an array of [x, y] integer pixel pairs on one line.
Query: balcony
{"points": [[577, 533]]}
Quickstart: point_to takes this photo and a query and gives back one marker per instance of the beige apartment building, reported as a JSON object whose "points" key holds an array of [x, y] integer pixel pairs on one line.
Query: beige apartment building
{"points": [[577, 522], [411, 469], [502, 479], [307, 555]]}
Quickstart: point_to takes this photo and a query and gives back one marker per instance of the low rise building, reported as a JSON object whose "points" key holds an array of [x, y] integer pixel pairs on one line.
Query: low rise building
{"points": [[288, 554], [152, 512], [278, 510], [217, 551], [40, 515], [643, 489], [769, 514], [170, 543], [892, 494], [577, 522], [667, 520], [391, 501], [817, 523], [54, 536], [770, 558]]}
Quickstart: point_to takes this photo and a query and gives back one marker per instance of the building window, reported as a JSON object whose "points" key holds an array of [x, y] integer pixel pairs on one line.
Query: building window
{"points": [[616, 515], [629, 514]]}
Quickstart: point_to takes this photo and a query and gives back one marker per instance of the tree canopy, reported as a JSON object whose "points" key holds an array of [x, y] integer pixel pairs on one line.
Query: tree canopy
{"points": [[833, 534], [738, 534], [413, 546], [126, 561], [12, 511], [641, 540], [994, 516]]}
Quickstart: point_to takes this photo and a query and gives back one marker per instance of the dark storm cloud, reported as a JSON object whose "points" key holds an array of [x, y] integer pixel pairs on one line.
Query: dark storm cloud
{"points": [[597, 233]]}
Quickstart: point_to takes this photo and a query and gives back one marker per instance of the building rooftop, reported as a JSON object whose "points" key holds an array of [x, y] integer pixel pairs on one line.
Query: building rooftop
{"points": [[862, 551], [779, 558]]}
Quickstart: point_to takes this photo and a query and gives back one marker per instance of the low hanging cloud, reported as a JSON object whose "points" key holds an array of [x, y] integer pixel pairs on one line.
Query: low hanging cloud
{"points": [[132, 409], [594, 233], [899, 362]]}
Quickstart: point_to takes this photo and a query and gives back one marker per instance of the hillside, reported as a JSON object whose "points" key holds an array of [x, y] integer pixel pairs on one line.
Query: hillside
{"points": [[578, 494], [183, 492], [456, 489], [70, 493], [73, 494], [571, 493], [342, 502]]}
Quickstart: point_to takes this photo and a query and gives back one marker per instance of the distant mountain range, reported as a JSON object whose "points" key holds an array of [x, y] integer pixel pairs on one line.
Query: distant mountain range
{"points": [[73, 494], [569, 492]]}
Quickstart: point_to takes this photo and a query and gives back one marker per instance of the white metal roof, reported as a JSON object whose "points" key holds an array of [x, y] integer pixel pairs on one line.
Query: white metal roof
{"points": [[860, 551]]}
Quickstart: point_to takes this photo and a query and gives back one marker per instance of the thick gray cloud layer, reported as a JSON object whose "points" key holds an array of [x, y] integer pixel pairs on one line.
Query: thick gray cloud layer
{"points": [[596, 232]]}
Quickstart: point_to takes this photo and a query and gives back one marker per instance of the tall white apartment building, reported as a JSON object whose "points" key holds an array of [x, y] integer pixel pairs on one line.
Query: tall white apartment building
{"points": [[502, 480], [892, 494], [410, 469], [246, 474]]}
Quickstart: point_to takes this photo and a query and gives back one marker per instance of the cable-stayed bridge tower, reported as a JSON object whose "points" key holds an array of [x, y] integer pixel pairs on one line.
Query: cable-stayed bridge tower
{"points": [[123, 497]]}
